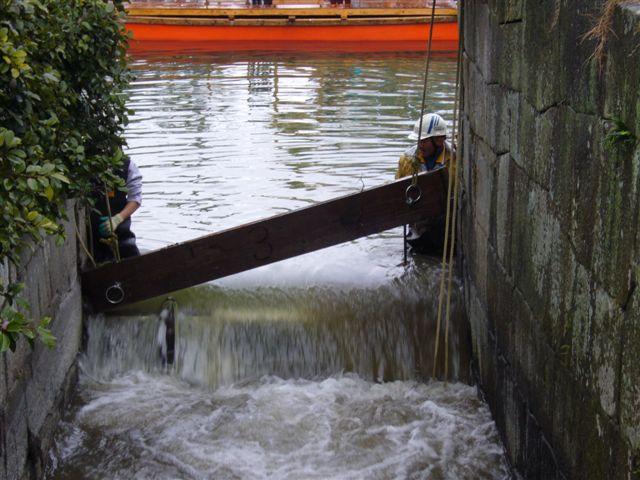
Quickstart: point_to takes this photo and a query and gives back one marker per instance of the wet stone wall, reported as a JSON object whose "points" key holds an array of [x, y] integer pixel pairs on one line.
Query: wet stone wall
{"points": [[550, 231], [36, 383]]}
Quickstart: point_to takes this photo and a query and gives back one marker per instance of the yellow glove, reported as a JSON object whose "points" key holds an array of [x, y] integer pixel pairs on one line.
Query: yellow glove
{"points": [[107, 227]]}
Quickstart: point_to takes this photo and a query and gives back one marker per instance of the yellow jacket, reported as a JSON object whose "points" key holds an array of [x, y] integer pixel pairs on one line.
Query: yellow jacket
{"points": [[412, 159]]}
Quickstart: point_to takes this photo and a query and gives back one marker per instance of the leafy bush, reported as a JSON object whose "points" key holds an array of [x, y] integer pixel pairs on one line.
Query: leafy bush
{"points": [[62, 73]]}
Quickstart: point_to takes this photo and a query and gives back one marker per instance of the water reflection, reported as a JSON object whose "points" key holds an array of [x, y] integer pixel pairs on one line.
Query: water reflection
{"points": [[226, 138]]}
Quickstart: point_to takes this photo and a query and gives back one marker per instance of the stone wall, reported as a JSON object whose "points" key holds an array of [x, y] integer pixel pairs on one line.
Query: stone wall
{"points": [[35, 384], [551, 236]]}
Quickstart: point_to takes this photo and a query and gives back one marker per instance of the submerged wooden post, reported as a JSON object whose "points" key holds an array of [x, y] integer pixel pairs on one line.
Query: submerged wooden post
{"points": [[262, 242]]}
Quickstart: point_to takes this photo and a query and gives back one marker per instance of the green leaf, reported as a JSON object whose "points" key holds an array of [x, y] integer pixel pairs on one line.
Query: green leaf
{"points": [[48, 168], [5, 342], [46, 337], [60, 177], [32, 183], [16, 326]]}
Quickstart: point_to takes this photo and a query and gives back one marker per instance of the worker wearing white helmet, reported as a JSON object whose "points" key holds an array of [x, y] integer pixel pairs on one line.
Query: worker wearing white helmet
{"points": [[428, 153]]}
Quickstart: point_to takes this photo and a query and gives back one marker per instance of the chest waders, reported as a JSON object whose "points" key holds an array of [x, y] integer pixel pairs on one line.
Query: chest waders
{"points": [[126, 238]]}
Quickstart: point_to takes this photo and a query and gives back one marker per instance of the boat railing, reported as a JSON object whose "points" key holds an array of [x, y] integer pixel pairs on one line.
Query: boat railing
{"points": [[229, 4]]}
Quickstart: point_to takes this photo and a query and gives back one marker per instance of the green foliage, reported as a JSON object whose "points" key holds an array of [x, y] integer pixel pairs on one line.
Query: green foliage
{"points": [[15, 323], [619, 137], [62, 73]]}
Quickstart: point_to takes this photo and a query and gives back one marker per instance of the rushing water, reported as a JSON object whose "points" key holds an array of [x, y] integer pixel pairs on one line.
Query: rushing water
{"points": [[311, 368]]}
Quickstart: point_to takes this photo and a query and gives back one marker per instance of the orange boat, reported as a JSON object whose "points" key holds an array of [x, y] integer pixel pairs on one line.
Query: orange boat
{"points": [[294, 25]]}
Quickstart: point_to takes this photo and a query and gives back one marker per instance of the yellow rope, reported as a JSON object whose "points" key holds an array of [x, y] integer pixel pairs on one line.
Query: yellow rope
{"points": [[456, 182], [416, 163], [442, 275], [450, 229], [112, 241], [84, 247]]}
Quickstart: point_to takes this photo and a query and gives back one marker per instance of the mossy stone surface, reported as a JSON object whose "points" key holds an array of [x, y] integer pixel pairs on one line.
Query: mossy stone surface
{"points": [[551, 232]]}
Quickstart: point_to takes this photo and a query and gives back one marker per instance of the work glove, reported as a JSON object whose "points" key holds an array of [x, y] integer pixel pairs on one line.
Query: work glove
{"points": [[105, 227]]}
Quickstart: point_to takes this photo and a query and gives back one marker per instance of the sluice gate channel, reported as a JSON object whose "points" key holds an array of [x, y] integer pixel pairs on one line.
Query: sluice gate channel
{"points": [[312, 367]]}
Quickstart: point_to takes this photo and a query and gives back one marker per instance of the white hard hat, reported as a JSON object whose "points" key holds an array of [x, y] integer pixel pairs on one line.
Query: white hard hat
{"points": [[433, 125]]}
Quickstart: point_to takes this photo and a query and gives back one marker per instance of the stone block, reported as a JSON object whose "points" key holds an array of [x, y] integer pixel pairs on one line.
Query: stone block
{"points": [[478, 264], [583, 313], [526, 143], [512, 11], [543, 82], [3, 416], [476, 102], [63, 260], [579, 69], [484, 44], [514, 104], [564, 420], [503, 216], [482, 343], [607, 333], [500, 306], [483, 186], [470, 31], [524, 358], [469, 155], [560, 273], [16, 433], [506, 11], [510, 58], [17, 366], [497, 119], [622, 68], [545, 146], [535, 234], [616, 225], [630, 386], [50, 366], [597, 437], [512, 407]]}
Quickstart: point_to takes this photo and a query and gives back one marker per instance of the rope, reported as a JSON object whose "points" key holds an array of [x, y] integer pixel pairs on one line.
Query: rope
{"points": [[416, 166], [456, 182], [112, 241], [84, 247], [449, 246]]}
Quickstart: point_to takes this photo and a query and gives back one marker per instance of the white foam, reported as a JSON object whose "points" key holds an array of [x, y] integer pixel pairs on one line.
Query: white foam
{"points": [[342, 427]]}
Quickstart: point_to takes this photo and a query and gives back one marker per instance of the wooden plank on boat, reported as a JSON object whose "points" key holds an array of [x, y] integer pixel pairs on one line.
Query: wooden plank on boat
{"points": [[262, 242], [286, 11], [235, 21]]}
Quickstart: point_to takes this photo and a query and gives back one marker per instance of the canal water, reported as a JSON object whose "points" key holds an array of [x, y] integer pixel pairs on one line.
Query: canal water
{"points": [[316, 367]]}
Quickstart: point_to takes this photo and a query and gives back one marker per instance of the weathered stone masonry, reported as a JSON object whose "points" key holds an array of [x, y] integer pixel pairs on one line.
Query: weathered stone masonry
{"points": [[35, 384], [551, 236]]}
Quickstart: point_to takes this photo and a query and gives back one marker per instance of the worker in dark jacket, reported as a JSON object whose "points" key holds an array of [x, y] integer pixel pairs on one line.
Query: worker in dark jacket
{"points": [[121, 205]]}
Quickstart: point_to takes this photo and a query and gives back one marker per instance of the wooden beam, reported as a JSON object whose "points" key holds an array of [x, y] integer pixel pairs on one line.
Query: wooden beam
{"points": [[262, 242], [284, 20], [298, 12]]}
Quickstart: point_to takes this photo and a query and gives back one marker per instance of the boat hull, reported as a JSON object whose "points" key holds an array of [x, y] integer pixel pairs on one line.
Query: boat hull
{"points": [[417, 32]]}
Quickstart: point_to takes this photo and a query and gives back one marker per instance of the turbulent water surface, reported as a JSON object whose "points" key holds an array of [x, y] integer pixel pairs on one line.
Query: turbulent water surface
{"points": [[311, 368]]}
